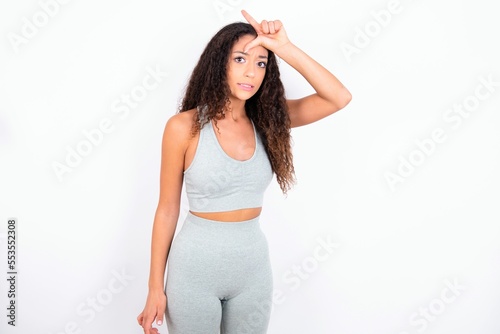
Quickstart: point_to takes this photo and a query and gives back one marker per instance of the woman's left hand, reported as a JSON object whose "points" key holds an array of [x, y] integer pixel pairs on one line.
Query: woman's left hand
{"points": [[270, 34]]}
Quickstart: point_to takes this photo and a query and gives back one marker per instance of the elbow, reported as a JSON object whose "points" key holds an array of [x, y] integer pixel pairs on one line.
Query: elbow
{"points": [[345, 99]]}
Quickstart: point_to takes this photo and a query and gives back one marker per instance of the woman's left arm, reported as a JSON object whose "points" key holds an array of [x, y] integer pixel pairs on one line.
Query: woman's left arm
{"points": [[331, 95]]}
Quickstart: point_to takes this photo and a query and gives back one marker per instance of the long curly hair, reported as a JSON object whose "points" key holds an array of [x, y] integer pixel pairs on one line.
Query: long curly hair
{"points": [[268, 110]]}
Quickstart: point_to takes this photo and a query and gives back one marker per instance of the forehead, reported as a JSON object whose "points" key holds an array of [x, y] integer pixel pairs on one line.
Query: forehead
{"points": [[244, 40]]}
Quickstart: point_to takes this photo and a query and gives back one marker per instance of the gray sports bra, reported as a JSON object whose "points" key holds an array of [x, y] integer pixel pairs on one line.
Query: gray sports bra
{"points": [[216, 182]]}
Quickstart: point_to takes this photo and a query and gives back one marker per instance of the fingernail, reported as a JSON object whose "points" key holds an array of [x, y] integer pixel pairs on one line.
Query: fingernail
{"points": [[159, 322]]}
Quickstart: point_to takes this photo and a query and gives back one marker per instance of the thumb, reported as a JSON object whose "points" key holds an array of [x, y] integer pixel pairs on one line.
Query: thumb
{"points": [[160, 315], [257, 41]]}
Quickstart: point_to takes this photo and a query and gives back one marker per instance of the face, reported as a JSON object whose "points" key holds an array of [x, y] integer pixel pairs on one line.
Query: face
{"points": [[246, 71]]}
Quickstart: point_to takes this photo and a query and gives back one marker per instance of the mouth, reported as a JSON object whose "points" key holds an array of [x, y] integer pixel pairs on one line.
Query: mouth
{"points": [[245, 86]]}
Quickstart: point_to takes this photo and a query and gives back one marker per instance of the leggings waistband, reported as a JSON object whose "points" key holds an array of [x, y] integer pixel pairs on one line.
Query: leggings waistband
{"points": [[223, 227]]}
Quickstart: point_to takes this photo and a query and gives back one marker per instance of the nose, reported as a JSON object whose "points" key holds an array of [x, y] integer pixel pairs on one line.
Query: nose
{"points": [[250, 71]]}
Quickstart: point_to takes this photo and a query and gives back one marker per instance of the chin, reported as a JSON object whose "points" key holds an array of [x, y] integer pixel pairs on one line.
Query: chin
{"points": [[242, 97]]}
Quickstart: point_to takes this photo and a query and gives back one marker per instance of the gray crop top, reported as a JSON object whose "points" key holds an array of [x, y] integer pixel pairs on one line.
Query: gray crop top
{"points": [[216, 182]]}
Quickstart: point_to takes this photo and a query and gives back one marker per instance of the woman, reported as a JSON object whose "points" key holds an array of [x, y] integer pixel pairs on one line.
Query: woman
{"points": [[231, 136]]}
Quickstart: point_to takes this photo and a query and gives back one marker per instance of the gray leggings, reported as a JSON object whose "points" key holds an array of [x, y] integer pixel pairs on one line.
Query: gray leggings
{"points": [[219, 278]]}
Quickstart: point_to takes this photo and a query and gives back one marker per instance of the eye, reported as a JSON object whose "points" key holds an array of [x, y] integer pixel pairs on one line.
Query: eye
{"points": [[239, 59], [262, 64]]}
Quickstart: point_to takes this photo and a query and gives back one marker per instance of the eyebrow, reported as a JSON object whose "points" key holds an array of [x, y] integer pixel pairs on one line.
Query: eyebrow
{"points": [[246, 54]]}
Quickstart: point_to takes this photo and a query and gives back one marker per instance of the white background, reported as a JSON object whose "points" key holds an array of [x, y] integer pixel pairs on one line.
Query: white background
{"points": [[399, 248]]}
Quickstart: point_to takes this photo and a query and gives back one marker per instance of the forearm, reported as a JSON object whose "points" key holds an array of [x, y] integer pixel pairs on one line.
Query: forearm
{"points": [[326, 85], [163, 232]]}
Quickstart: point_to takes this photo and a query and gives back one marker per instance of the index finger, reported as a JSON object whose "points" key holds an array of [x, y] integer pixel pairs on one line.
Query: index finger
{"points": [[251, 20]]}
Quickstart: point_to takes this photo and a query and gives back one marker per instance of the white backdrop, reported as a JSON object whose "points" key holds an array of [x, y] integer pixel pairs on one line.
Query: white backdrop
{"points": [[392, 227]]}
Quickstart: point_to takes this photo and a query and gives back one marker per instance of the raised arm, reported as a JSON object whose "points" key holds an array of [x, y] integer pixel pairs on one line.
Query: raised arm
{"points": [[331, 95], [165, 220]]}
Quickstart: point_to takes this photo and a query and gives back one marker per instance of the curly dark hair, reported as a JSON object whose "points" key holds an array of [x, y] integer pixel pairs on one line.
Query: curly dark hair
{"points": [[268, 110]]}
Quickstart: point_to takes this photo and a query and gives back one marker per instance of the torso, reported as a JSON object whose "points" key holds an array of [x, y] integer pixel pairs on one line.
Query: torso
{"points": [[238, 141]]}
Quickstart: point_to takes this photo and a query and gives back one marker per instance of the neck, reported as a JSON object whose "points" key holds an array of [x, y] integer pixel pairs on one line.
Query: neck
{"points": [[237, 110]]}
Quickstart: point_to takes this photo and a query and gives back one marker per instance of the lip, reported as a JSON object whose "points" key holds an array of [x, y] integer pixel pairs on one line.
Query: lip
{"points": [[246, 86]]}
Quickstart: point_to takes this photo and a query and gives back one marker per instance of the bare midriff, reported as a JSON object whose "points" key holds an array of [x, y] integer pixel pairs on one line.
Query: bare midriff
{"points": [[230, 216]]}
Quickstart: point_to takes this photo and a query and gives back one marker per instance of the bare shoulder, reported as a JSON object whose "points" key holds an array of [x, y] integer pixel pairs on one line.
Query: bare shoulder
{"points": [[178, 127], [176, 139]]}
